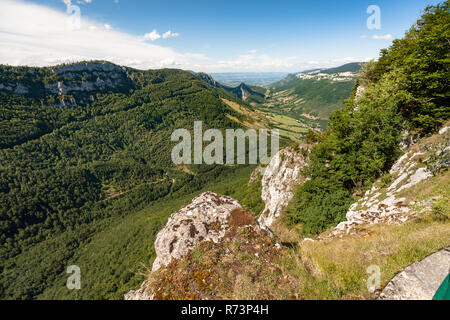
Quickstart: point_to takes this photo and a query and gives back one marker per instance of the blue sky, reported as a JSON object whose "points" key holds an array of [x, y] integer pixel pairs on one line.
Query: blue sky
{"points": [[211, 36]]}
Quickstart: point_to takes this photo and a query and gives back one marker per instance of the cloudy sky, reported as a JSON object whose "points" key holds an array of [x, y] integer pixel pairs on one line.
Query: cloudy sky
{"points": [[201, 35]]}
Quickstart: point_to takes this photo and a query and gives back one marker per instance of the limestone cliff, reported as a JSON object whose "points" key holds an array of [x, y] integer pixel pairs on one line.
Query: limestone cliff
{"points": [[383, 203], [71, 85], [279, 180]]}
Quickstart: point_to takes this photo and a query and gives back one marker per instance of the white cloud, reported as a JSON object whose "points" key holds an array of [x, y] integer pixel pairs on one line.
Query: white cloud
{"points": [[253, 62], [382, 37], [170, 34], [154, 35], [68, 3], [36, 35]]}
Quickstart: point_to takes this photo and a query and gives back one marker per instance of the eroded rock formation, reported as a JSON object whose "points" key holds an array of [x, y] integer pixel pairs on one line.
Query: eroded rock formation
{"points": [[205, 219], [279, 180], [72, 85], [212, 249], [382, 204]]}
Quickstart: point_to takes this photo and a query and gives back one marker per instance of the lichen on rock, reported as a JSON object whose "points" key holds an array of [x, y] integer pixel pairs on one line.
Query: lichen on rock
{"points": [[218, 227], [205, 219], [279, 180]]}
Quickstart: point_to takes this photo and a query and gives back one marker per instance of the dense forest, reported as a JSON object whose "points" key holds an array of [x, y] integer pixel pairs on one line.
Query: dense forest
{"points": [[88, 180], [402, 95], [68, 174]]}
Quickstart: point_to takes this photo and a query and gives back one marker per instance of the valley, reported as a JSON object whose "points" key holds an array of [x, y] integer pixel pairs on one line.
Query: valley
{"points": [[356, 197], [300, 101], [87, 152]]}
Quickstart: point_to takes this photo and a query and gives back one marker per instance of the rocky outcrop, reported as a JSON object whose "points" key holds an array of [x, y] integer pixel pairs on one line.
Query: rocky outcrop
{"points": [[421, 280], [209, 221], [242, 91], [207, 78], [213, 249], [140, 294], [205, 219], [359, 92], [84, 80], [280, 177], [73, 84], [16, 88], [256, 175], [382, 204]]}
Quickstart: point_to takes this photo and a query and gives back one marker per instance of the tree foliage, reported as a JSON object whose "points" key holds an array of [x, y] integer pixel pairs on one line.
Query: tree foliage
{"points": [[66, 174], [407, 89]]}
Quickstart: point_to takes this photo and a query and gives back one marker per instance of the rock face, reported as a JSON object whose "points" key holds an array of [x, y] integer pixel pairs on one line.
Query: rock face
{"points": [[72, 85], [140, 294], [421, 280], [227, 239], [256, 174], [280, 177], [242, 91], [382, 204], [372, 208], [207, 78], [205, 219]]}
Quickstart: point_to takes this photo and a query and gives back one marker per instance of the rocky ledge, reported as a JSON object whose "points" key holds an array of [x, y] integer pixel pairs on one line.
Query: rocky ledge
{"points": [[205, 219], [212, 232], [383, 203]]}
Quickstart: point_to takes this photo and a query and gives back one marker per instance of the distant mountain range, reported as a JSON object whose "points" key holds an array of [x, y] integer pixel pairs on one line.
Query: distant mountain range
{"points": [[233, 79], [314, 93], [298, 102], [251, 94], [346, 72], [83, 148]]}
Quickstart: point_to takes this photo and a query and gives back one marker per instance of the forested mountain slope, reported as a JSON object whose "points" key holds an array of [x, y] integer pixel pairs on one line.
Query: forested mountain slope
{"points": [[315, 93], [371, 193], [68, 171], [250, 94], [86, 177]]}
